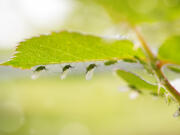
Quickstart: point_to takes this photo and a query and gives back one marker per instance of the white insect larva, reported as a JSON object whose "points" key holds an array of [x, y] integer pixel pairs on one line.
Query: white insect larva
{"points": [[66, 70], [89, 74], [90, 71], [65, 73]]}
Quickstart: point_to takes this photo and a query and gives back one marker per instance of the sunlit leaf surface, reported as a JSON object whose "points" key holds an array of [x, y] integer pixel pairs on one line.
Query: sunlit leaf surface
{"points": [[68, 47]]}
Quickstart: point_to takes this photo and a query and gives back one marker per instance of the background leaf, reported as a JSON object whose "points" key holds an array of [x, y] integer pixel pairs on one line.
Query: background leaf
{"points": [[170, 50], [138, 11], [137, 82], [68, 47], [174, 69]]}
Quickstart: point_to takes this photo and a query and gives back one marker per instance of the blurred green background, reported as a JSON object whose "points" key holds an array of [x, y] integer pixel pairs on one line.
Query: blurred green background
{"points": [[74, 106]]}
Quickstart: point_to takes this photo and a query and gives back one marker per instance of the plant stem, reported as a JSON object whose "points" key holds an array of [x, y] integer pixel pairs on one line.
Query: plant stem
{"points": [[157, 66], [164, 81], [144, 44]]}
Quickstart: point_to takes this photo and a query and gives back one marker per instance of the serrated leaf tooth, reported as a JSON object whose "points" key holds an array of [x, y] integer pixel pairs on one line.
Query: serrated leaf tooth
{"points": [[12, 57], [16, 52]]}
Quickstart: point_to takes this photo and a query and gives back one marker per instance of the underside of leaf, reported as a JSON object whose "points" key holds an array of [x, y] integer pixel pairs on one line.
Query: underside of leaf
{"points": [[137, 82]]}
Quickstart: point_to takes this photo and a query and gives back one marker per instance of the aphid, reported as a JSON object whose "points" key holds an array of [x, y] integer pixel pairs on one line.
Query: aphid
{"points": [[37, 71], [40, 68], [129, 60], [109, 63], [90, 70], [66, 69]]}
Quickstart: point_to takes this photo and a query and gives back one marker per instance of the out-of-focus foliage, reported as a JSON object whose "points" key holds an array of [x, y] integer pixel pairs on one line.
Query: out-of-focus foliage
{"points": [[174, 69], [91, 19], [139, 11], [75, 106], [170, 50], [156, 33], [137, 82]]}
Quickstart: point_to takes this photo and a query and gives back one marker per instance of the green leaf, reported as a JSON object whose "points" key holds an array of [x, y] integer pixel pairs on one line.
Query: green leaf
{"points": [[170, 50], [68, 47], [174, 69], [138, 11], [137, 82]]}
